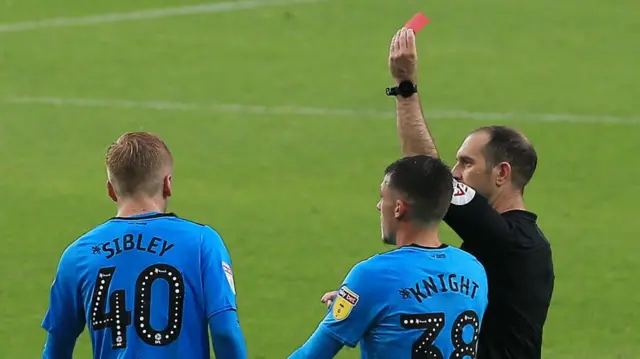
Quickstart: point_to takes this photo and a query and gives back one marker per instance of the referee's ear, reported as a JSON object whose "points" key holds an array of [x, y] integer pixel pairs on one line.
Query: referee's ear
{"points": [[112, 192], [503, 173]]}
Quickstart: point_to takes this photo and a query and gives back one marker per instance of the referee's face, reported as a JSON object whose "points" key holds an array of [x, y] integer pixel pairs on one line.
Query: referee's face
{"points": [[470, 167]]}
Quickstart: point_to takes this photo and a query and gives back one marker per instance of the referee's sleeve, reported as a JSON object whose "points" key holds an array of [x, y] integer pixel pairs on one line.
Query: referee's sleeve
{"points": [[473, 218]]}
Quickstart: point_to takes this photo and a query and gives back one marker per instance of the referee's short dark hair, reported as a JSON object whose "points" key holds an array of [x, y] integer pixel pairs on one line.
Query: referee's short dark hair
{"points": [[427, 185], [509, 145]]}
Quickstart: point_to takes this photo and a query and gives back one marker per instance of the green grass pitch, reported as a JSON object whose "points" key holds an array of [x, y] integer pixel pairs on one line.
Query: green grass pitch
{"points": [[288, 176]]}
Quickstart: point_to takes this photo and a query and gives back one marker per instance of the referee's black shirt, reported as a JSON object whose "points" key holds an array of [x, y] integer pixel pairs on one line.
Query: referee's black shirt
{"points": [[518, 261]]}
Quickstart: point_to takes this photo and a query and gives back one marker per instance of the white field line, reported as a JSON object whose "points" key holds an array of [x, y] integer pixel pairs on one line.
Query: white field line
{"points": [[312, 111], [145, 14]]}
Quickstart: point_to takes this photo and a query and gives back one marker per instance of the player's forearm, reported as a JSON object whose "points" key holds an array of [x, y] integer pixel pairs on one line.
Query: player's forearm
{"points": [[226, 335], [319, 346], [415, 138], [58, 347]]}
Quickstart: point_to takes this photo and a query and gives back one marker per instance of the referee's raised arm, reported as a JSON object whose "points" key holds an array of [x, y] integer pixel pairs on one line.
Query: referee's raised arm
{"points": [[414, 134]]}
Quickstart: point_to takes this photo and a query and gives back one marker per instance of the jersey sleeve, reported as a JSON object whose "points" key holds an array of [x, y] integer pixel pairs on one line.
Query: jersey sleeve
{"points": [[473, 218], [320, 345], [226, 336], [65, 315], [355, 307], [217, 274]]}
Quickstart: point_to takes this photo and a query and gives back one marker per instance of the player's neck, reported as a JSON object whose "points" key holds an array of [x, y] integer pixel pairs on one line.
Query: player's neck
{"points": [[136, 206], [508, 201], [424, 237]]}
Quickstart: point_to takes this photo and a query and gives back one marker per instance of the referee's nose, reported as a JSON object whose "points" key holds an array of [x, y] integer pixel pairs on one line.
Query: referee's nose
{"points": [[456, 171], [379, 205]]}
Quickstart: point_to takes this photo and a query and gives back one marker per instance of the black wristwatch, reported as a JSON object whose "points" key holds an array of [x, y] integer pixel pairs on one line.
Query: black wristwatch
{"points": [[405, 89]]}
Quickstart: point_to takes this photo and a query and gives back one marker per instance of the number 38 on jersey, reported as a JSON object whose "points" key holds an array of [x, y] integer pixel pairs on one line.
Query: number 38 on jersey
{"points": [[433, 324]]}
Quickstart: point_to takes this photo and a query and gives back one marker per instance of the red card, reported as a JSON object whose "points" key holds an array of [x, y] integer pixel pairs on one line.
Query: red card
{"points": [[417, 22]]}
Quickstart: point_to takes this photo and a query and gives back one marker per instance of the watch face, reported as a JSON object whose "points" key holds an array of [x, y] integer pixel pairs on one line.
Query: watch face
{"points": [[406, 88]]}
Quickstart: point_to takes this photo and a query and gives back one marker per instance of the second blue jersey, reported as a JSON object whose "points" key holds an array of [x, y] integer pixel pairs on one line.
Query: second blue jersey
{"points": [[412, 302]]}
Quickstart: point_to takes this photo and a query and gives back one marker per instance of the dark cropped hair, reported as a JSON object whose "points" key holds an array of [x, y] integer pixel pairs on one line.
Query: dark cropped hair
{"points": [[427, 184]]}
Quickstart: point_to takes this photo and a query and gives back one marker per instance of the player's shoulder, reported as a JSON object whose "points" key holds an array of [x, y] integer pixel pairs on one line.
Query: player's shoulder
{"points": [[366, 278], [362, 269], [382, 262], [376, 264], [208, 237], [461, 255], [466, 262], [88, 236], [204, 234]]}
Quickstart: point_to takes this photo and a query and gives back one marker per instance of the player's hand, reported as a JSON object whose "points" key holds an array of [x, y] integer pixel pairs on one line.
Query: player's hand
{"points": [[403, 56], [328, 298]]}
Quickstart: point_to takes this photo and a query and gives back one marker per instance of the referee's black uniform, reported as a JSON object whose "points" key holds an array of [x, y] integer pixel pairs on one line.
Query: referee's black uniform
{"points": [[517, 258]]}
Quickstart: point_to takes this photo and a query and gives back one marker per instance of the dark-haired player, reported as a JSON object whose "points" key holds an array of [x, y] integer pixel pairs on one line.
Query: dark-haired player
{"points": [[148, 283], [422, 300], [494, 164]]}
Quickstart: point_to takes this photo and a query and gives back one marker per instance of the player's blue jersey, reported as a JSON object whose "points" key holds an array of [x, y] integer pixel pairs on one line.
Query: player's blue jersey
{"points": [[145, 287], [412, 302]]}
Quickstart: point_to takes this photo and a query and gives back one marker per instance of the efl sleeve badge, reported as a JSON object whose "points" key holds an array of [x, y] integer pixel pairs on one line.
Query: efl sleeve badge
{"points": [[229, 274], [344, 303]]}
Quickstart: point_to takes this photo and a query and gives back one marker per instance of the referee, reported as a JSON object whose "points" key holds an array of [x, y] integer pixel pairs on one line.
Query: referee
{"points": [[494, 164]]}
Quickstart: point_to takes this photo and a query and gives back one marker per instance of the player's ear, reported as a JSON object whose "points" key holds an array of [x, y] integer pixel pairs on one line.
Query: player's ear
{"points": [[166, 186], [112, 192], [400, 210], [502, 173]]}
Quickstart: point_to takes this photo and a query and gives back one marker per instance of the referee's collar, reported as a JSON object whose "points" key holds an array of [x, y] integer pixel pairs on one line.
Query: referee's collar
{"points": [[521, 212]]}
